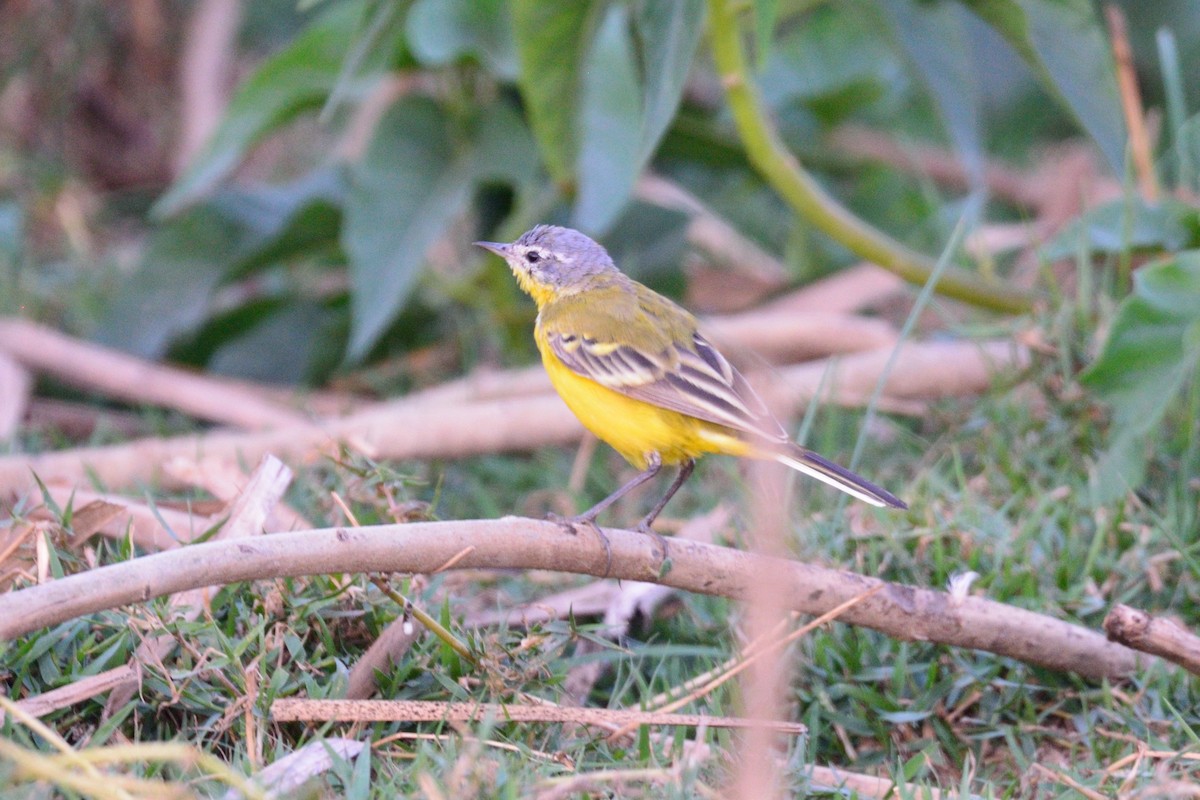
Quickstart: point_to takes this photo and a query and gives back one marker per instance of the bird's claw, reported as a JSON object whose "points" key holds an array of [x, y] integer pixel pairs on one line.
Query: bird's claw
{"points": [[643, 527], [571, 526]]}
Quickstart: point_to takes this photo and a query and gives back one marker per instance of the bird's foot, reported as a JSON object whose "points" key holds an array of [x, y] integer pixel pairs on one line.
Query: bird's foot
{"points": [[571, 525], [644, 527]]}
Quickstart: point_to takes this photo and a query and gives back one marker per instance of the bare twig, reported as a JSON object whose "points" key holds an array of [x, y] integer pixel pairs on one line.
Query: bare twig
{"points": [[1131, 104], [204, 74], [123, 376], [302, 710], [713, 234], [512, 543], [426, 429], [1161, 637], [837, 779], [846, 291], [15, 386]]}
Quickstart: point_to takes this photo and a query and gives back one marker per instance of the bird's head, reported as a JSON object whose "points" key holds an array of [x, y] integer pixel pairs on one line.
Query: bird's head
{"points": [[550, 261]]}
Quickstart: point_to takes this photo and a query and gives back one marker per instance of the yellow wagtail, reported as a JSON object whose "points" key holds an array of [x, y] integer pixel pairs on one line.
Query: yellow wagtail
{"points": [[632, 366]]}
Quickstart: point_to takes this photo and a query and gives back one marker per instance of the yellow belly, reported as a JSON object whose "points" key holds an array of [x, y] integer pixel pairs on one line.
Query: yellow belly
{"points": [[636, 429]]}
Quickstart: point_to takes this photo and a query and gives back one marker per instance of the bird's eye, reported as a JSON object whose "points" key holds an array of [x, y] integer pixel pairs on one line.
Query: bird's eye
{"points": [[533, 256]]}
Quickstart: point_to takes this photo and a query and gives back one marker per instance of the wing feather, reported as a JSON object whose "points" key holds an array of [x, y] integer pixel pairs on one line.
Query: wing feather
{"points": [[690, 377]]}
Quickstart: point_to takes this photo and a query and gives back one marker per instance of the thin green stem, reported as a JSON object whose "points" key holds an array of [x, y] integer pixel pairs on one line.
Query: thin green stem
{"points": [[804, 194]]}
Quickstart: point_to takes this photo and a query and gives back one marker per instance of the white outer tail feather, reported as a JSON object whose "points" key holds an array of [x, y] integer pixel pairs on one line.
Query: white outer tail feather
{"points": [[813, 472]]}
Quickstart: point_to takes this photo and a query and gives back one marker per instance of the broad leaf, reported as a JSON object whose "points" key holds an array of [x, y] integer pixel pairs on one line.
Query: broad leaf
{"points": [[669, 34], [293, 81], [442, 31], [833, 64], [1064, 44], [170, 293], [933, 37], [550, 36], [235, 232], [298, 218], [290, 343], [1167, 226], [1152, 348], [416, 177], [404, 193], [611, 124]]}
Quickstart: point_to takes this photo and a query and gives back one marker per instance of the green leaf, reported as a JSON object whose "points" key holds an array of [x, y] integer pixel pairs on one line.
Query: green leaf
{"points": [[170, 292], [377, 45], [668, 35], [293, 81], [1118, 226], [289, 220], [443, 31], [285, 347], [830, 59], [933, 38], [611, 124], [1152, 348], [766, 12], [403, 196], [416, 177], [550, 37], [1064, 44]]}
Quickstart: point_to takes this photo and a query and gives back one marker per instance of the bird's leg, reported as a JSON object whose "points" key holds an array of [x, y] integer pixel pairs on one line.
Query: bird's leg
{"points": [[653, 467], [685, 472]]}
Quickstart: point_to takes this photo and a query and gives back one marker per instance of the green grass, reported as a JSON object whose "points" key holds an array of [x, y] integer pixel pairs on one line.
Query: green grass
{"points": [[996, 485]]}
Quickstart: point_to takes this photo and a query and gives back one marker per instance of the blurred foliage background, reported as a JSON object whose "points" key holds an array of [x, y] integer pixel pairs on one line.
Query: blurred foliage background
{"points": [[287, 192]]}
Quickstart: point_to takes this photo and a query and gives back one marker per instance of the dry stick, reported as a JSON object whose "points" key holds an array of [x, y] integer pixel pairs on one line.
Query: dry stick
{"points": [[304, 710], [246, 517], [939, 164], [789, 335], [849, 290], [15, 387], [205, 68], [118, 374], [713, 234], [900, 611], [81, 420], [1160, 637], [150, 528], [838, 779], [1131, 104], [450, 430]]}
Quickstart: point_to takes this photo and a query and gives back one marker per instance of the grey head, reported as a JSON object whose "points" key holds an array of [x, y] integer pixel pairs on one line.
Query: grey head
{"points": [[549, 257]]}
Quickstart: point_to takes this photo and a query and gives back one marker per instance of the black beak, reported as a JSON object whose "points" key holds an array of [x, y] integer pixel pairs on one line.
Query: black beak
{"points": [[497, 248]]}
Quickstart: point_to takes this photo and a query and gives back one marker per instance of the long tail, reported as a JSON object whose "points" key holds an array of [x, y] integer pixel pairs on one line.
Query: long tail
{"points": [[824, 470]]}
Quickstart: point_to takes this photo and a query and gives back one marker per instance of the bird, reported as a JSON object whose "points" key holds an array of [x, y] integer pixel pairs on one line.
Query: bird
{"points": [[635, 369]]}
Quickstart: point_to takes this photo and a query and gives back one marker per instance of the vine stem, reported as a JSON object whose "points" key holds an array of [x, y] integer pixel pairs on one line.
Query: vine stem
{"points": [[804, 194]]}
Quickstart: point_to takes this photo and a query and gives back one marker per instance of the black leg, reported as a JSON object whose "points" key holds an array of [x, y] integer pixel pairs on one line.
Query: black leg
{"points": [[685, 472], [653, 467]]}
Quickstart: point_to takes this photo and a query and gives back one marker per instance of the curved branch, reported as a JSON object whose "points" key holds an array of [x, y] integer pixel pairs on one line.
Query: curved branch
{"points": [[783, 171], [900, 611]]}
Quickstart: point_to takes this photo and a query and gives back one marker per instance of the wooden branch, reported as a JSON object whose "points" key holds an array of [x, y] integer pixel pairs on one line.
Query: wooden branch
{"points": [[512, 543], [1160, 637], [120, 375], [205, 68], [15, 386], [846, 291], [429, 429], [304, 710], [788, 336], [1140, 148]]}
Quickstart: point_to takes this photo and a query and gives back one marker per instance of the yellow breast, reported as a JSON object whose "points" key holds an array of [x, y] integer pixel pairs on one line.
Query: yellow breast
{"points": [[634, 428]]}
